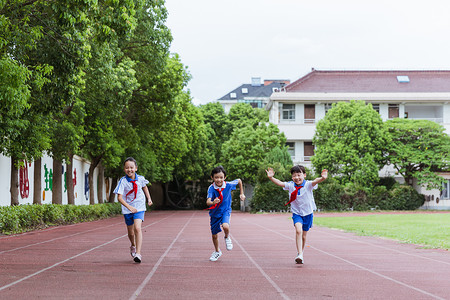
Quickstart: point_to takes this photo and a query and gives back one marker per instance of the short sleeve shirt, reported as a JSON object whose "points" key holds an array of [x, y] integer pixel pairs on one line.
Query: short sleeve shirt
{"points": [[124, 186], [225, 206], [304, 204]]}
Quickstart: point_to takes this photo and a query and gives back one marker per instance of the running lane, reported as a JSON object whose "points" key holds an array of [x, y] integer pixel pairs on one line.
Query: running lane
{"points": [[91, 260]]}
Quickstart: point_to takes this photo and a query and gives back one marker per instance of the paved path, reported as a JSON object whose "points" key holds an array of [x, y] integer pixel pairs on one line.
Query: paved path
{"points": [[92, 261]]}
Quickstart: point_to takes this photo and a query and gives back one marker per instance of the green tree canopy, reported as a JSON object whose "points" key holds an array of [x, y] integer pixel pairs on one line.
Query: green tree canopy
{"points": [[245, 151], [419, 148], [350, 142]]}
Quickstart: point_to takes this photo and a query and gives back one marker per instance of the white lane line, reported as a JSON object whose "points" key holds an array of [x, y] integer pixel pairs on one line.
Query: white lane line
{"points": [[279, 290], [58, 238], [70, 258], [355, 264], [386, 248], [158, 263]]}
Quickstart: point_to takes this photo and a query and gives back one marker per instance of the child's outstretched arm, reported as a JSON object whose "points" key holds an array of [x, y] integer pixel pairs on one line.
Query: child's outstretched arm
{"points": [[241, 188], [324, 176], [270, 173]]}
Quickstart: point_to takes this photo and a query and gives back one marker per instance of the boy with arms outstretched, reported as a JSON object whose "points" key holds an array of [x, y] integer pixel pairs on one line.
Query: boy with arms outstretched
{"points": [[219, 202], [302, 203]]}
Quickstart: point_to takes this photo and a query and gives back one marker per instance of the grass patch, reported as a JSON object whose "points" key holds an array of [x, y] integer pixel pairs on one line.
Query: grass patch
{"points": [[429, 230]]}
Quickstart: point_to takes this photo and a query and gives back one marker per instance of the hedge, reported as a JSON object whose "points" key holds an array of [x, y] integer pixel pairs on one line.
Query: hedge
{"points": [[21, 218], [330, 195]]}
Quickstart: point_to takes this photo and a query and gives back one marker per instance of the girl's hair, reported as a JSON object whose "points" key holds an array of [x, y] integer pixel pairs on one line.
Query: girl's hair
{"points": [[218, 170], [130, 159], [298, 169]]}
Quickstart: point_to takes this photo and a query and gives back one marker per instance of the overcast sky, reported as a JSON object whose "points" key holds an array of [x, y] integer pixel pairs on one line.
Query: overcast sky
{"points": [[225, 43]]}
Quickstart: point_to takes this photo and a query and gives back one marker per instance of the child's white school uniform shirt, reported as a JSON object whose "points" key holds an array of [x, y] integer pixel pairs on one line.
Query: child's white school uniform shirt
{"points": [[125, 185], [304, 204]]}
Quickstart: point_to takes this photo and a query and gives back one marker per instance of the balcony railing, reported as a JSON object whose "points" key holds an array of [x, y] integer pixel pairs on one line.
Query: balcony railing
{"points": [[299, 122]]}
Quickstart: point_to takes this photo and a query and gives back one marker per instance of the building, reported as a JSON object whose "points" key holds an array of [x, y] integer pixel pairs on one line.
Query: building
{"points": [[394, 94], [256, 93]]}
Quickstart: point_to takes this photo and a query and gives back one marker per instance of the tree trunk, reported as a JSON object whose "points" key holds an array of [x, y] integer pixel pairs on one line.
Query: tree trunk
{"points": [[14, 189], [37, 179], [94, 163], [69, 181], [112, 196], [100, 181], [57, 182]]}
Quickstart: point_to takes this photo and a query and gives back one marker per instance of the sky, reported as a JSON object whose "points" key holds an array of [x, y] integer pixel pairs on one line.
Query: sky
{"points": [[226, 43]]}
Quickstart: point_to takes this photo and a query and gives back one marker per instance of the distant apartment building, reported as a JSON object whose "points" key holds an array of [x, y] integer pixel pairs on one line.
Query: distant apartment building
{"points": [[297, 107], [256, 93]]}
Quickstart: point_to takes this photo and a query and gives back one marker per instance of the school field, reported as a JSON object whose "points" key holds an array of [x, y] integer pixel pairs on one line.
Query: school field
{"points": [[91, 260]]}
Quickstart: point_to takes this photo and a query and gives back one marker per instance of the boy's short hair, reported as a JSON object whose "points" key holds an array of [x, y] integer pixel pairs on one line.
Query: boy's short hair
{"points": [[298, 169], [130, 159], [218, 169]]}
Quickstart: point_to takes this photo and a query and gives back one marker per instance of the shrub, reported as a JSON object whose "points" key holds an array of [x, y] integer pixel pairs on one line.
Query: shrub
{"points": [[269, 196], [379, 198], [328, 196], [355, 197], [21, 218], [405, 197]]}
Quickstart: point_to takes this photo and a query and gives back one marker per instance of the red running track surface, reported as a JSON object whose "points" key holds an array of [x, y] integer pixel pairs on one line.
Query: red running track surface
{"points": [[92, 261]]}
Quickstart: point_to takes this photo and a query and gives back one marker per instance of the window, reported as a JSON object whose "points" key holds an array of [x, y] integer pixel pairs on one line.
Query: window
{"points": [[393, 111], [328, 107], [376, 107], [291, 148], [445, 194], [310, 113], [288, 112], [308, 150]]}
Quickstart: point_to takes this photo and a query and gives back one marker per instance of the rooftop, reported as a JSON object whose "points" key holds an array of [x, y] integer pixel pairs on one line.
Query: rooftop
{"points": [[372, 82]]}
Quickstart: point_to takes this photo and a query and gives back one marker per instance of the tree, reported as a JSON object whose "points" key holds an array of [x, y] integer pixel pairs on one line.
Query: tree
{"points": [[243, 153], [23, 129], [214, 116], [243, 114], [350, 142], [418, 150]]}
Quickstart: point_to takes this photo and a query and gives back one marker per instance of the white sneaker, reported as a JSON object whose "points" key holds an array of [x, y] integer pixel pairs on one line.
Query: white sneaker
{"points": [[215, 255], [137, 258], [299, 259], [133, 251], [229, 243]]}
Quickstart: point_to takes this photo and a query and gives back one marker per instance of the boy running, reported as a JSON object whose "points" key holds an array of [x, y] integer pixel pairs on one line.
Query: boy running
{"points": [[220, 207], [302, 203]]}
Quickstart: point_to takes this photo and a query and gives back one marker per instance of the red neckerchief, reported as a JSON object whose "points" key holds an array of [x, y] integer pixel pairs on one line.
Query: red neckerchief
{"points": [[293, 196], [220, 198], [135, 187]]}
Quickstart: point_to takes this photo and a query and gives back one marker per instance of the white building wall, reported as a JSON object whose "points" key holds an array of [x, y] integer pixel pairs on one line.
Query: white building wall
{"points": [[80, 168], [320, 112], [5, 174]]}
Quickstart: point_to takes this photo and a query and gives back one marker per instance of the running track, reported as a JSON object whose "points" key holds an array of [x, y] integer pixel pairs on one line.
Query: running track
{"points": [[92, 261]]}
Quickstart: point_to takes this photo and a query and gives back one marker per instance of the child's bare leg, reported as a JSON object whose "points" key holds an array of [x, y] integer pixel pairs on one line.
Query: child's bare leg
{"points": [[215, 242], [138, 234], [299, 237], [226, 229], [304, 239], [131, 236]]}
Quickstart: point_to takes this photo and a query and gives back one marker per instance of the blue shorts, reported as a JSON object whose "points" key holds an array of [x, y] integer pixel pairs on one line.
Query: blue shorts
{"points": [[215, 222], [307, 221], [129, 218]]}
